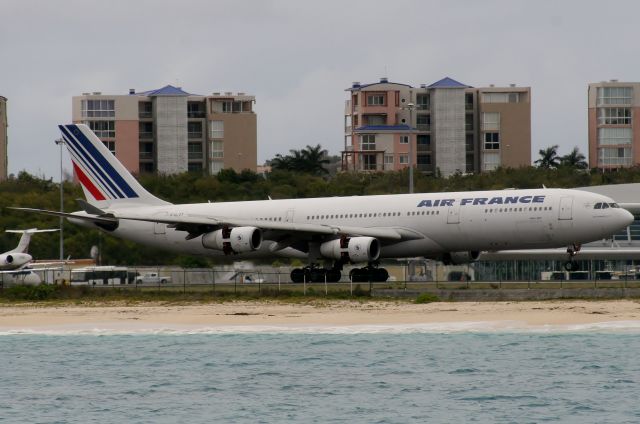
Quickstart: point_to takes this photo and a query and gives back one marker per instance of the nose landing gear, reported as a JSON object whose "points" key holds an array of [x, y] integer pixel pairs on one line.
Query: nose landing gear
{"points": [[572, 250]]}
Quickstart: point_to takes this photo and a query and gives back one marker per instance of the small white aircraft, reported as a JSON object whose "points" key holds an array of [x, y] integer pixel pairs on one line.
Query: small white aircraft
{"points": [[18, 258], [452, 227]]}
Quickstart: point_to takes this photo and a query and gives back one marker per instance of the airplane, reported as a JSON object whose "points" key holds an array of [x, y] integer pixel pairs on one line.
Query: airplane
{"points": [[18, 258], [451, 227]]}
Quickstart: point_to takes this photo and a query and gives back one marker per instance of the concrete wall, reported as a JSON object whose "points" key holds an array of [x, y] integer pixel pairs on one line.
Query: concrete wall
{"points": [[170, 128], [448, 132]]}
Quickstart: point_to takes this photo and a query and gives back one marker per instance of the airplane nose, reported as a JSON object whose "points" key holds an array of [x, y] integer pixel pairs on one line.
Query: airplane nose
{"points": [[626, 218]]}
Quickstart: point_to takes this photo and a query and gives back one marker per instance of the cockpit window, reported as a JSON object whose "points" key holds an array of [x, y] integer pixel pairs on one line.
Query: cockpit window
{"points": [[598, 206], [605, 206], [614, 205]]}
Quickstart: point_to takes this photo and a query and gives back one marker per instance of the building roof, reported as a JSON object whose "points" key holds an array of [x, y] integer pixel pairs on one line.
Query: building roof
{"points": [[447, 82], [167, 90], [357, 86], [384, 128]]}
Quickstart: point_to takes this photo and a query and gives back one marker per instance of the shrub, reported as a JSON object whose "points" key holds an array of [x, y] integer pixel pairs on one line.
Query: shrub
{"points": [[426, 298]]}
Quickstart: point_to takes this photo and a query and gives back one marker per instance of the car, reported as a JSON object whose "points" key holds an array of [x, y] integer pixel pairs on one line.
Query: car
{"points": [[153, 278]]}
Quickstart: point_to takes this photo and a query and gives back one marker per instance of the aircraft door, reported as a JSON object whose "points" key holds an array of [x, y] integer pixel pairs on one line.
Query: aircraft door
{"points": [[453, 214], [565, 211], [289, 216], [160, 228]]}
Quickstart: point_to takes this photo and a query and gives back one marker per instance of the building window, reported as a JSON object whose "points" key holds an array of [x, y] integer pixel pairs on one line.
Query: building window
{"points": [[368, 142], [490, 161], [146, 150], [613, 136], [376, 120], [423, 100], [491, 141], [145, 130], [103, 129], [217, 150], [194, 129], [501, 97], [194, 150], [111, 145], [468, 143], [423, 122], [404, 159], [468, 122], [216, 129], [423, 142], [369, 162], [375, 100], [98, 108], [468, 101], [423, 159], [195, 110], [215, 166], [614, 116], [145, 110], [404, 139], [388, 161], [490, 121], [230, 106], [146, 167], [614, 96], [614, 156], [194, 167]]}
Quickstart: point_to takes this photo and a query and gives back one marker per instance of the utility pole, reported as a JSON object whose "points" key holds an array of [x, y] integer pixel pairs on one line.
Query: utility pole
{"points": [[410, 106], [60, 142]]}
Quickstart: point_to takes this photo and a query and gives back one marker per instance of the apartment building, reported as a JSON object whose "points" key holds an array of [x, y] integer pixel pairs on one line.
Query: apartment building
{"points": [[614, 140], [446, 127], [170, 131], [4, 138]]}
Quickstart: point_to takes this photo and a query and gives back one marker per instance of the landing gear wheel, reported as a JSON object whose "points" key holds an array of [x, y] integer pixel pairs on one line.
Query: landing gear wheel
{"points": [[298, 275], [369, 273]]}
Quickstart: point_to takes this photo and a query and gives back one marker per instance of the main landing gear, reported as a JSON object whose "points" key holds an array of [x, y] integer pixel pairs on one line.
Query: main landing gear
{"points": [[572, 250], [316, 274]]}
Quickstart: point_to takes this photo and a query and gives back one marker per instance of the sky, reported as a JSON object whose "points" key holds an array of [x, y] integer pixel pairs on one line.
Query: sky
{"points": [[297, 57]]}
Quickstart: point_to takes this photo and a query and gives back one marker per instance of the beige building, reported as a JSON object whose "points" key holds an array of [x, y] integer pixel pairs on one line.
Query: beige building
{"points": [[614, 137], [4, 139], [446, 126], [170, 131]]}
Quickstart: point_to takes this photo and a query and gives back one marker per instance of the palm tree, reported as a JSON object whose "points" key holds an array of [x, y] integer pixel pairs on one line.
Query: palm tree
{"points": [[574, 159], [548, 157], [309, 160]]}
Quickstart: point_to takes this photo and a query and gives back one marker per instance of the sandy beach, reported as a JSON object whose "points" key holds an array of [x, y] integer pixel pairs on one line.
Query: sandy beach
{"points": [[333, 313]]}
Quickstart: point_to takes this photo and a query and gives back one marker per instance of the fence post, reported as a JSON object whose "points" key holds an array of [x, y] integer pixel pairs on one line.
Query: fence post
{"points": [[304, 284], [184, 280], [278, 281], [351, 283], [326, 289]]}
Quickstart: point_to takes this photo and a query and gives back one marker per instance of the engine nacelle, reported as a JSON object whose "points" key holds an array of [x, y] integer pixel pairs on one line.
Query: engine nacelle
{"points": [[234, 240], [460, 258], [354, 249], [14, 260]]}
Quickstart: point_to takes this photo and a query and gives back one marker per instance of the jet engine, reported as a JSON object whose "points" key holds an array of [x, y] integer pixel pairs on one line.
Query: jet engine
{"points": [[14, 260], [233, 240], [354, 249], [460, 258]]}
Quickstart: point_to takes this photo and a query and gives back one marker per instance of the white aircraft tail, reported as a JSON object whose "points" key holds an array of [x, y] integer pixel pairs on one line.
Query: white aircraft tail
{"points": [[105, 181], [23, 244]]}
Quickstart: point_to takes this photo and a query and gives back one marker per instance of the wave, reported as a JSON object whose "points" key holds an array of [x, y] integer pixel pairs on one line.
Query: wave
{"points": [[107, 329]]}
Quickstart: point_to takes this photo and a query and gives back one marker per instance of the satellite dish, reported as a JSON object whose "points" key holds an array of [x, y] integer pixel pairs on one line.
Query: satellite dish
{"points": [[94, 252]]}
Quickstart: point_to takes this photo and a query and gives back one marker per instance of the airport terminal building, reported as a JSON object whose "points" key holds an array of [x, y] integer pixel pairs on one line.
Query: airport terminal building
{"points": [[446, 126], [170, 131]]}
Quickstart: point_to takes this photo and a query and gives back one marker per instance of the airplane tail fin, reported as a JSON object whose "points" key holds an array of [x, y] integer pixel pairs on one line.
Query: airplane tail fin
{"points": [[105, 181], [23, 244]]}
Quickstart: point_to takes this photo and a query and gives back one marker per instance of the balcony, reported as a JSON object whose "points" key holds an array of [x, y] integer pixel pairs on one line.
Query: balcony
{"points": [[347, 129], [146, 136], [195, 155], [424, 106], [146, 155], [423, 147], [194, 135], [423, 127], [196, 114], [145, 114]]}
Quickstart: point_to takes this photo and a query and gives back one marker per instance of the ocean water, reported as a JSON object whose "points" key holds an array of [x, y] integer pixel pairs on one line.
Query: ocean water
{"points": [[321, 375]]}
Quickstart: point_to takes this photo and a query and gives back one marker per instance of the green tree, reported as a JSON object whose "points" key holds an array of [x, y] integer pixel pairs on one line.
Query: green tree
{"points": [[548, 157], [574, 159], [310, 160]]}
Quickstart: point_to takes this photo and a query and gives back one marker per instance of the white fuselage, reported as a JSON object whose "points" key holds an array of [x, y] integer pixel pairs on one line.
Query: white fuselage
{"points": [[437, 222]]}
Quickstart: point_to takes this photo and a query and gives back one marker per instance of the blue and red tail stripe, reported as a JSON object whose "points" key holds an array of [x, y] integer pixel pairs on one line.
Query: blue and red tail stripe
{"points": [[103, 180]]}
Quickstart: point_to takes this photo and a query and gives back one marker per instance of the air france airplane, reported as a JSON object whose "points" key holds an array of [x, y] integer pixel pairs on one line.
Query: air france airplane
{"points": [[452, 227]]}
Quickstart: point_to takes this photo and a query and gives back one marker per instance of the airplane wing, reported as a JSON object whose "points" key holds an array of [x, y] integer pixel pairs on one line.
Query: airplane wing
{"points": [[196, 225]]}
